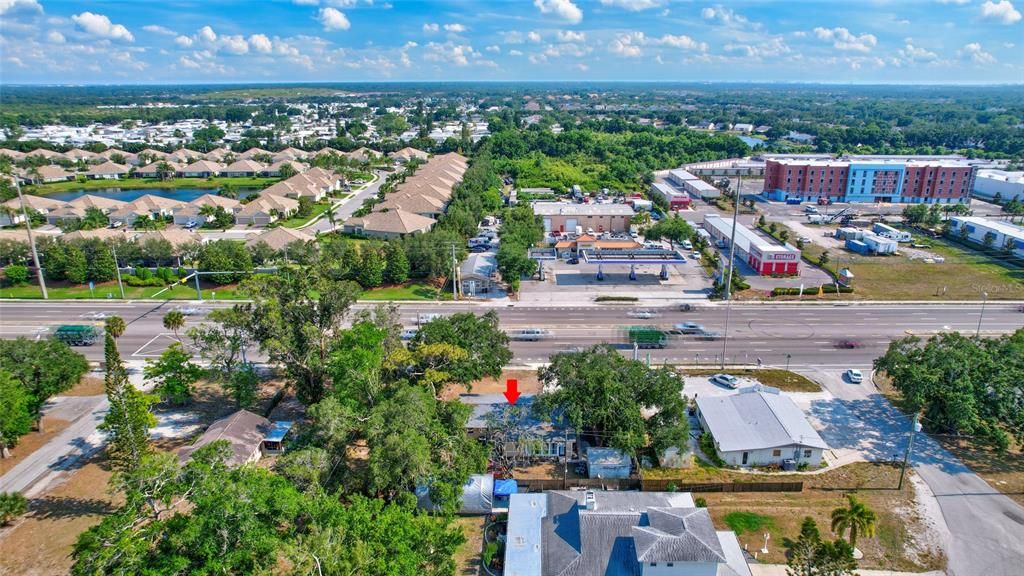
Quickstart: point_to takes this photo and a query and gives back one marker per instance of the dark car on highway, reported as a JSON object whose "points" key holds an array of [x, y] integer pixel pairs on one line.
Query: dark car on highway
{"points": [[848, 344]]}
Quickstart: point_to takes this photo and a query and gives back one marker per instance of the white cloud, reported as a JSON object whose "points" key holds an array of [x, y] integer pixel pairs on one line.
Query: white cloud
{"points": [[206, 34], [512, 37], [1002, 12], [571, 36], [1009, 45], [236, 45], [493, 48], [843, 39], [515, 53], [457, 54], [682, 42], [562, 9], [916, 53], [187, 62], [431, 28], [156, 29], [977, 55], [799, 34], [344, 3], [183, 41], [628, 45], [101, 26], [582, 67], [533, 37], [260, 43], [633, 5], [456, 28], [726, 17], [20, 6], [332, 19]]}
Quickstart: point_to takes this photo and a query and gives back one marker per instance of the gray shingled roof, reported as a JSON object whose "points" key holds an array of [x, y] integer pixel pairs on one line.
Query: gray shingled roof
{"points": [[755, 418], [677, 535]]}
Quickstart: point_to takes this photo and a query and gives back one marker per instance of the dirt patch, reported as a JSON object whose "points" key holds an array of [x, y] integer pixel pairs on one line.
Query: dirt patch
{"points": [[902, 542], [467, 557], [33, 441], [41, 542], [529, 383], [87, 386], [546, 471]]}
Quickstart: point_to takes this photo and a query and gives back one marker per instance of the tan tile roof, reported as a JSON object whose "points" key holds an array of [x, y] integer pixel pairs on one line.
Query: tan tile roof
{"points": [[101, 233], [393, 222], [214, 200], [91, 201], [46, 153], [12, 154], [51, 171], [154, 203], [409, 152], [280, 237], [266, 202], [204, 166], [176, 236], [37, 202], [79, 154], [183, 155], [244, 165], [107, 167], [252, 152]]}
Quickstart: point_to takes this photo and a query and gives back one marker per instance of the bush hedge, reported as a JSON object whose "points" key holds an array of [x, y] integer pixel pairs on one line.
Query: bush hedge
{"points": [[832, 289], [808, 291]]}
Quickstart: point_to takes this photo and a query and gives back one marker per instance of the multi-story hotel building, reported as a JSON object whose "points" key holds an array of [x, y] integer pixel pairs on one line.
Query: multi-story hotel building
{"points": [[897, 179]]}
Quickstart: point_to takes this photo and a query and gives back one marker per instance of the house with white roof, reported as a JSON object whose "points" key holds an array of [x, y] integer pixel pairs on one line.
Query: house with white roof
{"points": [[759, 426]]}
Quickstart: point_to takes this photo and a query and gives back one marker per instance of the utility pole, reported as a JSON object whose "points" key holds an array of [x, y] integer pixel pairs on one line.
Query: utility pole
{"points": [[984, 299], [31, 240], [455, 285], [117, 268], [910, 447], [732, 256]]}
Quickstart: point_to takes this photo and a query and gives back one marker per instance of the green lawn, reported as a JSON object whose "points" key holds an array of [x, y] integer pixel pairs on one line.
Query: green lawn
{"points": [[297, 222], [964, 275], [747, 522], [414, 291], [178, 292], [44, 189]]}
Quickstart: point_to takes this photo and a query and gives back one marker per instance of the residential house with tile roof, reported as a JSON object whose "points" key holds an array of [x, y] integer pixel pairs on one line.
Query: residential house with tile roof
{"points": [[107, 171]]}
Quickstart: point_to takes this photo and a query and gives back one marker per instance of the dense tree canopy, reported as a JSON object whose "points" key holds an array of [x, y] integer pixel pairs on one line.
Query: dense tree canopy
{"points": [[605, 396], [44, 368], [961, 385]]}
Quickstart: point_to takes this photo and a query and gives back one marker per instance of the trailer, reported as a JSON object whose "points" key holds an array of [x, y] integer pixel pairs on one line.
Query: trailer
{"points": [[647, 337], [77, 334]]}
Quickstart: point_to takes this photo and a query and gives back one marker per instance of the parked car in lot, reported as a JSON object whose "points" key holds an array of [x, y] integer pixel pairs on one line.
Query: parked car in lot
{"points": [[810, 209], [642, 314], [854, 376], [726, 380], [529, 335], [687, 245], [409, 333], [804, 239], [695, 255], [687, 328]]}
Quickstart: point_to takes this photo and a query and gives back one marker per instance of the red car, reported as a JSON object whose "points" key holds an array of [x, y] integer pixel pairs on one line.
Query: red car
{"points": [[849, 344]]}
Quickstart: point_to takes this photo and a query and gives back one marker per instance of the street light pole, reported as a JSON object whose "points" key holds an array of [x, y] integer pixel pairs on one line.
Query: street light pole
{"points": [[910, 447], [31, 240], [984, 299], [728, 276]]}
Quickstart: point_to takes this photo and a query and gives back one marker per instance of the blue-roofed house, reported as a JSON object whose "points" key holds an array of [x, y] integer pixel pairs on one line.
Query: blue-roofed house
{"points": [[574, 533], [759, 426]]}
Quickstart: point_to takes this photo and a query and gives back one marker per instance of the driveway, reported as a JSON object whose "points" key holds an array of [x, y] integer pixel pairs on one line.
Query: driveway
{"points": [[986, 527], [346, 207]]}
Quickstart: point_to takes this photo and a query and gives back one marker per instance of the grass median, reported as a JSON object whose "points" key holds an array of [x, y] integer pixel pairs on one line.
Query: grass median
{"points": [[775, 377]]}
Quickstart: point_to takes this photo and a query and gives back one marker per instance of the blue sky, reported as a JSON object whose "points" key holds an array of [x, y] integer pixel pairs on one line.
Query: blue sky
{"points": [[207, 41]]}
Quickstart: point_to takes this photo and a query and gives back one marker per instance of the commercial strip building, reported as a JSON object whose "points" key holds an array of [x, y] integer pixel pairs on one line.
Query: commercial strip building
{"points": [[1001, 234], [1008, 185], [568, 533], [761, 254], [566, 217], [692, 184], [896, 179], [676, 199], [760, 426]]}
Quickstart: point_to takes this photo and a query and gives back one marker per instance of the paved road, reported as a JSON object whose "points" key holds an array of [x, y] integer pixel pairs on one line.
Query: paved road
{"points": [[351, 205], [807, 333], [986, 527]]}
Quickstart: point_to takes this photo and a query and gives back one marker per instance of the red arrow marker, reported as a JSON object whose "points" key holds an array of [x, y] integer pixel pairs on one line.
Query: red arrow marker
{"points": [[512, 390]]}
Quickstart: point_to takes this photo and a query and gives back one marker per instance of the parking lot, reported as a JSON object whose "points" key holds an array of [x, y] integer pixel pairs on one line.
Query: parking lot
{"points": [[575, 282]]}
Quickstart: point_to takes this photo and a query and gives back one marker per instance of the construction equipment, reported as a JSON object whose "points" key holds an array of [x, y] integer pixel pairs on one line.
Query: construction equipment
{"points": [[77, 334]]}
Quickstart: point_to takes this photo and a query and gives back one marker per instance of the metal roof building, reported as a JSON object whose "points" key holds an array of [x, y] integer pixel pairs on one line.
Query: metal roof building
{"points": [[759, 426]]}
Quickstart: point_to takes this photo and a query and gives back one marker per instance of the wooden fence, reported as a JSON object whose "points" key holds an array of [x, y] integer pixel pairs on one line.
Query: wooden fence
{"points": [[657, 485]]}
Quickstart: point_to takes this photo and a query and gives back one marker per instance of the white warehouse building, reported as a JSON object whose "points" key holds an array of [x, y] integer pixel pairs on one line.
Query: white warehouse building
{"points": [[1009, 185], [1002, 233]]}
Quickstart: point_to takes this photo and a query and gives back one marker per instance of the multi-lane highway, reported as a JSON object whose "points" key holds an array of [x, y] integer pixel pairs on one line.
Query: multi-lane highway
{"points": [[803, 335]]}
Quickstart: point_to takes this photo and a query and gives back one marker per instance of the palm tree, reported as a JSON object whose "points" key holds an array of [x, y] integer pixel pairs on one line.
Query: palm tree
{"points": [[115, 326], [208, 210], [163, 169], [856, 517], [174, 321]]}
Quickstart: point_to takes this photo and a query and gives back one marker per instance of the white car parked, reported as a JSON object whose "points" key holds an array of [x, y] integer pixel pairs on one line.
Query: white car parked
{"points": [[854, 376], [726, 380]]}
